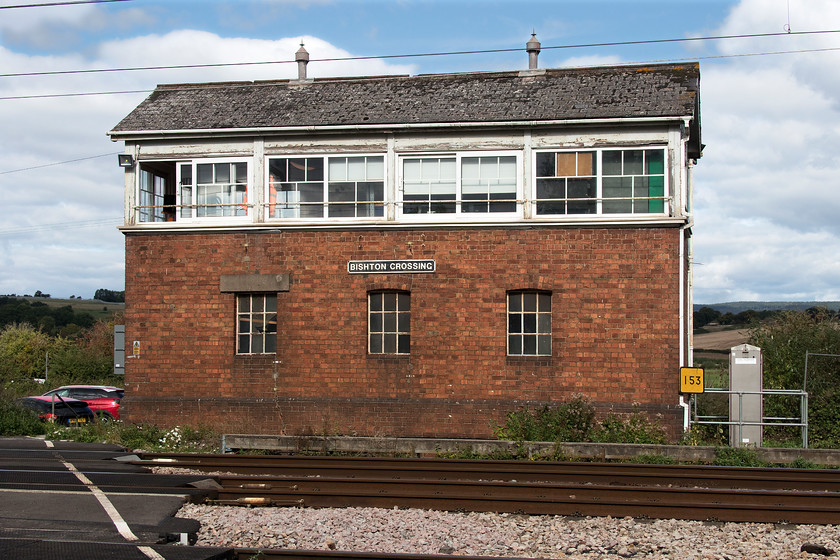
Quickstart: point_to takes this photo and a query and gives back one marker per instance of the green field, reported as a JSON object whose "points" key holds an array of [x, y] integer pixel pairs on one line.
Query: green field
{"points": [[99, 309]]}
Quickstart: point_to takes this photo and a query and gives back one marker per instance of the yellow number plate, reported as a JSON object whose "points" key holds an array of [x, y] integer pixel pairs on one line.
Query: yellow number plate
{"points": [[691, 380]]}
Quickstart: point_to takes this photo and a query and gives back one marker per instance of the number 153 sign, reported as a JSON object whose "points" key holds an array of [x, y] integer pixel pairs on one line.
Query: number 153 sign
{"points": [[691, 380]]}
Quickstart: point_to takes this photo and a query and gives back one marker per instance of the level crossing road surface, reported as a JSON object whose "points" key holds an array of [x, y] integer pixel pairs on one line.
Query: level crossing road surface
{"points": [[74, 501]]}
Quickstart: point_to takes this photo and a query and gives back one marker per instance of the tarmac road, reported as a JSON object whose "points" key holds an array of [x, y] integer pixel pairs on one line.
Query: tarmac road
{"points": [[69, 501]]}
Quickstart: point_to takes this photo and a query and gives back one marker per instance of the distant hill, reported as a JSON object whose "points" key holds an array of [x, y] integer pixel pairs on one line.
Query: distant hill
{"points": [[739, 306]]}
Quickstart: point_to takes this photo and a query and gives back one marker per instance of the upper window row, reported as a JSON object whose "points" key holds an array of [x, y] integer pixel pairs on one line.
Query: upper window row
{"points": [[598, 181]]}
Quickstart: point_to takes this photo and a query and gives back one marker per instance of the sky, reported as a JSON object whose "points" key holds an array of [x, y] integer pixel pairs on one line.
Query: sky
{"points": [[766, 204]]}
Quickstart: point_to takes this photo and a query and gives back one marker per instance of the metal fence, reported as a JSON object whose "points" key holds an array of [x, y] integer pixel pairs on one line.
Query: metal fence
{"points": [[766, 421]]}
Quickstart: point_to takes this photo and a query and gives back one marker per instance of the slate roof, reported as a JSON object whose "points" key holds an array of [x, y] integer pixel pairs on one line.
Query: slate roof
{"points": [[662, 90]]}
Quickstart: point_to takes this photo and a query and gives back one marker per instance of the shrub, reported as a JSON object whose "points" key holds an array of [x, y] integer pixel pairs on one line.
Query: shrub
{"points": [[17, 421], [738, 457], [575, 421], [634, 428], [570, 421]]}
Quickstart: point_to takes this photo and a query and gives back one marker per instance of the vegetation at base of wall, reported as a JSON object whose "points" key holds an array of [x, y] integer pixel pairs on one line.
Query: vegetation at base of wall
{"points": [[16, 421], [575, 421], [653, 459], [571, 421], [738, 457]]}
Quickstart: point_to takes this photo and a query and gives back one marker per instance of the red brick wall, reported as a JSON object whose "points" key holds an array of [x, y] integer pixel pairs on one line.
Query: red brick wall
{"points": [[615, 324]]}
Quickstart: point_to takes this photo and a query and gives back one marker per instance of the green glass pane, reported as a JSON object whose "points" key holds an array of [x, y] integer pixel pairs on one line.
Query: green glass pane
{"points": [[656, 187], [655, 160]]}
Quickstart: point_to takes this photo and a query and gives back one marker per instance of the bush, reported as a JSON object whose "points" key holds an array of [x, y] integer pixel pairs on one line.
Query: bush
{"points": [[575, 421], [18, 421], [570, 421], [738, 457], [635, 428]]}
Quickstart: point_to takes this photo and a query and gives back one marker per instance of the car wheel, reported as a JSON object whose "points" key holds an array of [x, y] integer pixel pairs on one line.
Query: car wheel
{"points": [[103, 416]]}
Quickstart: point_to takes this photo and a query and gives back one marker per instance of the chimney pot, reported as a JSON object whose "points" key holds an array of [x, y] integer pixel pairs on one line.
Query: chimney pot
{"points": [[302, 58], [532, 47]]}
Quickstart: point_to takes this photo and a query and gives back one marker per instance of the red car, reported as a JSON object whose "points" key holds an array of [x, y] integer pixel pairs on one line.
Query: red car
{"points": [[104, 400]]}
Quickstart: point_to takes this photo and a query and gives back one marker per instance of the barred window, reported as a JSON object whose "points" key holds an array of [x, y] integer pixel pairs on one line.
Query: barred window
{"points": [[529, 323], [603, 181], [256, 325], [389, 321]]}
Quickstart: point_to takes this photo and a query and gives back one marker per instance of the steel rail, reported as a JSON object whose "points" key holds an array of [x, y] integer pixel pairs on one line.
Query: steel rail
{"points": [[285, 554], [770, 506], [522, 471]]}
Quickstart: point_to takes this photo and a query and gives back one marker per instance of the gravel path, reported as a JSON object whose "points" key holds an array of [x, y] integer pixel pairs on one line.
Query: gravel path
{"points": [[483, 534]]}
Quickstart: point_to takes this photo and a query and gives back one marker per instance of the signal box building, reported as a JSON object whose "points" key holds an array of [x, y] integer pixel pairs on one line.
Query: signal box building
{"points": [[409, 255]]}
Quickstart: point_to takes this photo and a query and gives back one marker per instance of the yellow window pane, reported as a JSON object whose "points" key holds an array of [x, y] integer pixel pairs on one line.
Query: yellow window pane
{"points": [[585, 167], [566, 165]]}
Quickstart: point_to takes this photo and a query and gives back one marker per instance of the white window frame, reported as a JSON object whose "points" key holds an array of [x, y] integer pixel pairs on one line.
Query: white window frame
{"points": [[385, 202], [539, 330], [191, 205], [261, 317], [398, 331], [599, 176], [460, 215]]}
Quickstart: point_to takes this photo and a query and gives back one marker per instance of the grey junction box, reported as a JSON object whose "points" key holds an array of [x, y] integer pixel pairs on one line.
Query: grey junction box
{"points": [[746, 408]]}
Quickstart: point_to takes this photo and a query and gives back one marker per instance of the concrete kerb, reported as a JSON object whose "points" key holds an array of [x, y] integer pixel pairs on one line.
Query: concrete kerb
{"points": [[430, 447]]}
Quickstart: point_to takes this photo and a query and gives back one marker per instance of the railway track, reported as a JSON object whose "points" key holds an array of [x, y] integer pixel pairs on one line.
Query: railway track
{"points": [[576, 489], [823, 480], [258, 554]]}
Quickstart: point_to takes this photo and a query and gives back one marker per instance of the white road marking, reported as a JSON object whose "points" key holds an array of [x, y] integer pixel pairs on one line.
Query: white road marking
{"points": [[116, 518]]}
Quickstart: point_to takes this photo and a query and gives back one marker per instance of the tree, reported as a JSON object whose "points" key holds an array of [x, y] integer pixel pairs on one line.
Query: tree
{"points": [[23, 351], [784, 341], [109, 295], [704, 316]]}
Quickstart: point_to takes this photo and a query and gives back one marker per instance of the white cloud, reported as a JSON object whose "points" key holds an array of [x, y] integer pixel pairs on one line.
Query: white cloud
{"points": [[82, 250], [766, 192]]}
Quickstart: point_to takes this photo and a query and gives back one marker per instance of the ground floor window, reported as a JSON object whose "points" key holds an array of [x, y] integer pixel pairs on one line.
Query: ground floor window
{"points": [[256, 325], [529, 323], [389, 321]]}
